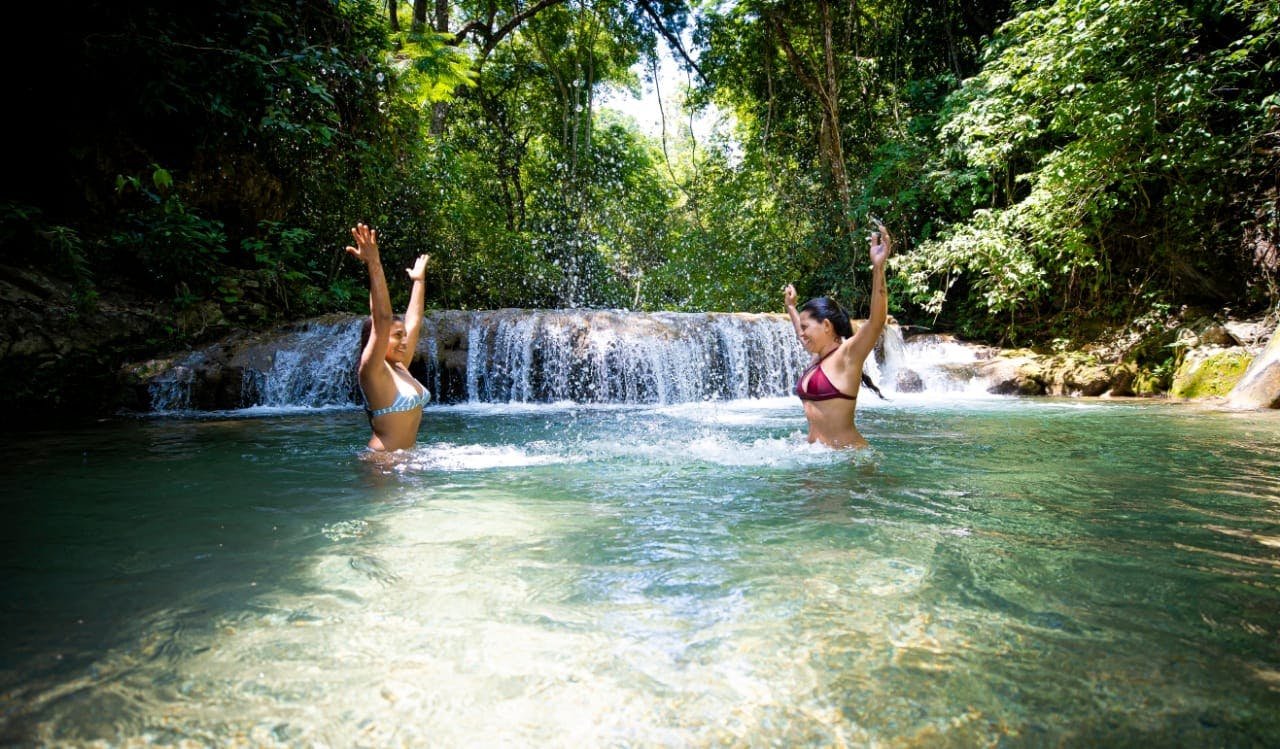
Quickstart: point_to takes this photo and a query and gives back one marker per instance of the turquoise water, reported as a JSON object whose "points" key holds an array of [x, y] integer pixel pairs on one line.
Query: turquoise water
{"points": [[1007, 572]]}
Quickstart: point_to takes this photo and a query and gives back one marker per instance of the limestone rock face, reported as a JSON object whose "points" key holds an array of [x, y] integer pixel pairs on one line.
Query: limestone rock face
{"points": [[58, 351], [1259, 387], [1015, 374], [1252, 334]]}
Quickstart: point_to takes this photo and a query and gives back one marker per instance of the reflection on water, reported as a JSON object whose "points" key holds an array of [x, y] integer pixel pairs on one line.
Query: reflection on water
{"points": [[993, 571]]}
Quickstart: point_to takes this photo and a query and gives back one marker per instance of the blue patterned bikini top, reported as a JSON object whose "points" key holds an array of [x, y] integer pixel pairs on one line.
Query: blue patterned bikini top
{"points": [[403, 403]]}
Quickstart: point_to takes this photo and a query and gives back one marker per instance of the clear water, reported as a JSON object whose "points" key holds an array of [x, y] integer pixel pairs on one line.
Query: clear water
{"points": [[994, 572]]}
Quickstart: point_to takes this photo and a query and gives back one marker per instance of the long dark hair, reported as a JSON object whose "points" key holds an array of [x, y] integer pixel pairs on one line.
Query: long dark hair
{"points": [[825, 308], [366, 329]]}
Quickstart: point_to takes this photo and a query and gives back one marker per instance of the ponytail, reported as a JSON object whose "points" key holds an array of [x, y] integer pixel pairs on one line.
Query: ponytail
{"points": [[866, 380]]}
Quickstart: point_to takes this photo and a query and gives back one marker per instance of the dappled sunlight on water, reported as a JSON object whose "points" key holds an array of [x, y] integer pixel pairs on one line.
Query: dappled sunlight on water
{"points": [[991, 571]]}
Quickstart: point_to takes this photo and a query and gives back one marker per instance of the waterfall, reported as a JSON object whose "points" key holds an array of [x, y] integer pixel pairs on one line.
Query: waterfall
{"points": [[171, 389], [941, 363], [623, 357], [889, 361], [316, 366], [310, 364], [545, 356]]}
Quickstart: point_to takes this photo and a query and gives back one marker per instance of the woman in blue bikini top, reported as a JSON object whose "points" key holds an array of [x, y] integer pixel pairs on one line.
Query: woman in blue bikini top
{"points": [[393, 397], [829, 387]]}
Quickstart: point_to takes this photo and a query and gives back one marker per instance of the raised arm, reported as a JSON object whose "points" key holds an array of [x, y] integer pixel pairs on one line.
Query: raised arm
{"points": [[789, 300], [864, 339], [417, 300], [366, 250]]}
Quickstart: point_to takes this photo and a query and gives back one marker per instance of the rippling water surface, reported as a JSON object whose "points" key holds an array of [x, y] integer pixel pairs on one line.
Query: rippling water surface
{"points": [[992, 572]]}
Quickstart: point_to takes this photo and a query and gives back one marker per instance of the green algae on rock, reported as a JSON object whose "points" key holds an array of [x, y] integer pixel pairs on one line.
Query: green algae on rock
{"points": [[1209, 373]]}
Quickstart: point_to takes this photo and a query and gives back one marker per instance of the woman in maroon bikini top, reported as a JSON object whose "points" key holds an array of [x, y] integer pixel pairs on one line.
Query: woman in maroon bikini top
{"points": [[814, 385], [829, 387]]}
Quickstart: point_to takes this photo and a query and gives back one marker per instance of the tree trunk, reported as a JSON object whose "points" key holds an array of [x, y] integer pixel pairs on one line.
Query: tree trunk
{"points": [[419, 16], [825, 88], [440, 110]]}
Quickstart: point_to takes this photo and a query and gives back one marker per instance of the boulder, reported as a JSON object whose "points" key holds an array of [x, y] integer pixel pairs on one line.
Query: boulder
{"points": [[1015, 374], [1124, 379], [1259, 386], [1076, 374], [908, 381], [1251, 334], [1216, 335], [1209, 372]]}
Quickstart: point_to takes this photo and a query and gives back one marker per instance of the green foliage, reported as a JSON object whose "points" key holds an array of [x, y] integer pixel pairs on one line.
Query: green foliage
{"points": [[1070, 162], [1109, 134], [436, 68], [989, 252], [175, 246], [24, 226], [736, 250], [69, 253], [892, 65]]}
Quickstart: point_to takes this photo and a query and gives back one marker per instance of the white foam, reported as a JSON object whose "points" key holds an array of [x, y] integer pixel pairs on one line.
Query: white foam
{"points": [[451, 457]]}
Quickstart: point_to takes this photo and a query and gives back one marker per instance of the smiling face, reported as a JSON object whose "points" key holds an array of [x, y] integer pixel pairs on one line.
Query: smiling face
{"points": [[398, 345], [816, 335]]}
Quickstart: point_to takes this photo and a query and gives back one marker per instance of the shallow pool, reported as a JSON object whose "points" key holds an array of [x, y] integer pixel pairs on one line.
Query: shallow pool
{"points": [[994, 571]]}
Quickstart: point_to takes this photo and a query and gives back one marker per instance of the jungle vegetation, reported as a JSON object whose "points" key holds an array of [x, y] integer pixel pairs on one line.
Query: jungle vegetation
{"points": [[1047, 167]]}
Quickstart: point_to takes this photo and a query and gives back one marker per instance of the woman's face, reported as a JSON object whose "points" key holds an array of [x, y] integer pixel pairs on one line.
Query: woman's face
{"points": [[816, 335], [397, 345]]}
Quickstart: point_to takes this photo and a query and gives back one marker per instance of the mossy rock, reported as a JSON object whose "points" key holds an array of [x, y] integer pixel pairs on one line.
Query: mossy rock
{"points": [[1149, 382], [1210, 374]]}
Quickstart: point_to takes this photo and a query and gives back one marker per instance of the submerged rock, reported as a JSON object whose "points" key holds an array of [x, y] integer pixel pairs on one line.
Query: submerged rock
{"points": [[908, 381]]}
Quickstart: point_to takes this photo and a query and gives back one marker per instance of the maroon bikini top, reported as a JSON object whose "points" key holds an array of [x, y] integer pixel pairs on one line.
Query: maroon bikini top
{"points": [[818, 387]]}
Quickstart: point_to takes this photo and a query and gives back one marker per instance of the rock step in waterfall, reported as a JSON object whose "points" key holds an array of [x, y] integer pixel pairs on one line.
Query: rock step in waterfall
{"points": [[542, 356]]}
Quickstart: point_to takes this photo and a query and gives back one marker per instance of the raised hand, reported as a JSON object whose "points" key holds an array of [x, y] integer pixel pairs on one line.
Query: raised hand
{"points": [[366, 248], [881, 245], [419, 270], [789, 296]]}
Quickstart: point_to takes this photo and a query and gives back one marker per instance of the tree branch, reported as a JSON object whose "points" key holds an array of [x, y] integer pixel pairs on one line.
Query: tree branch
{"points": [[492, 37], [671, 38], [802, 72]]}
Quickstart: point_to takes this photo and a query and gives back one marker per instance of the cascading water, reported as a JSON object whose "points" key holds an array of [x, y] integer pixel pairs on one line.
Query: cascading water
{"points": [[888, 365], [619, 357], [941, 364], [171, 391], [311, 364], [315, 367], [543, 356]]}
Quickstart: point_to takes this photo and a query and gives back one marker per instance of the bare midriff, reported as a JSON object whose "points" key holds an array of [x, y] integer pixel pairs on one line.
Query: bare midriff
{"points": [[831, 423], [395, 431]]}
